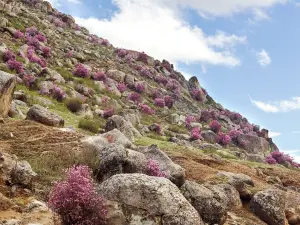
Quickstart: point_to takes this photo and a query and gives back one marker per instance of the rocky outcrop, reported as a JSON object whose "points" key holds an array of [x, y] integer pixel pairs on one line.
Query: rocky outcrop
{"points": [[7, 85], [153, 200], [253, 144], [269, 206], [44, 116]]}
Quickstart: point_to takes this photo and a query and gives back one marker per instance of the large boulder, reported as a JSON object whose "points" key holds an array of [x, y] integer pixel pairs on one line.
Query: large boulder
{"points": [[44, 116], [116, 75], [149, 200], [52, 75], [204, 201], [7, 85], [253, 144], [269, 206], [173, 171], [16, 172], [123, 125], [209, 136]]}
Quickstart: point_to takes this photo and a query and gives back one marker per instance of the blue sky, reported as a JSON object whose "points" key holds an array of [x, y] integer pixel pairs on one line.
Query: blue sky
{"points": [[245, 53]]}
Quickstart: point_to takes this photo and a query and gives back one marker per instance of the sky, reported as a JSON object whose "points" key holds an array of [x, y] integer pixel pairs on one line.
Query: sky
{"points": [[245, 53]]}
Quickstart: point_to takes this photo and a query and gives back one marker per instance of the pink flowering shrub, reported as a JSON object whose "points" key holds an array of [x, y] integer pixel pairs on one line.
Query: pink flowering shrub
{"points": [[146, 73], [33, 41], [32, 31], [75, 199], [154, 170], [33, 58], [195, 134], [235, 116], [46, 51], [223, 139], [188, 120], [59, 23], [81, 71], [144, 108], [278, 157], [12, 64], [234, 134], [135, 97], [29, 80], [8, 55], [99, 76], [139, 87], [197, 94], [108, 113], [215, 126], [159, 102], [121, 53], [70, 54], [172, 85], [18, 34], [270, 160], [121, 87], [205, 116], [58, 93], [143, 57], [169, 102], [41, 37], [161, 79]]}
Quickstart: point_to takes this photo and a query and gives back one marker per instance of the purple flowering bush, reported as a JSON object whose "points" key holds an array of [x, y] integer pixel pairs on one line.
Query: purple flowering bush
{"points": [[75, 199], [144, 108], [18, 34], [215, 126], [108, 113], [58, 93], [99, 76], [197, 94], [81, 71], [195, 134], [154, 170], [161, 79], [143, 57], [169, 102], [223, 139], [234, 134], [8, 55], [188, 120], [121, 87], [139, 87], [159, 102], [46, 51], [135, 97], [29, 80], [278, 157], [12, 64]]}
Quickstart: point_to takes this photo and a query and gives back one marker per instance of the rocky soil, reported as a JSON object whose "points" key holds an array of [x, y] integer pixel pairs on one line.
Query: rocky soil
{"points": [[161, 149]]}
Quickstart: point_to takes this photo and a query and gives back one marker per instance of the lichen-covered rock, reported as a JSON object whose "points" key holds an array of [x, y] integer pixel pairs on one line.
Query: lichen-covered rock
{"points": [[44, 116], [253, 144], [159, 199], [269, 206], [204, 201], [7, 85], [116, 75], [52, 75], [209, 136], [14, 171], [174, 172]]}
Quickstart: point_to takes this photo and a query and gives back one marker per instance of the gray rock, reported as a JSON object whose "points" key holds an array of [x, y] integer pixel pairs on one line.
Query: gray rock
{"points": [[157, 197], [117, 75], [174, 118], [7, 85], [209, 136], [52, 75], [269, 206], [253, 144], [42, 115], [117, 137], [204, 201]]}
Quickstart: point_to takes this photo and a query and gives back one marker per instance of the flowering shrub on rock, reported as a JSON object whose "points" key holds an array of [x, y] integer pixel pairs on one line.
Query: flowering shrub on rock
{"points": [[75, 199], [169, 102], [121, 52], [144, 108], [108, 113], [139, 87], [215, 126], [8, 55], [33, 41], [154, 170], [233, 134], [121, 87], [18, 34], [12, 64], [205, 116], [58, 93], [278, 157], [29, 80], [197, 94], [70, 54], [41, 37], [135, 97], [33, 58], [81, 71], [99, 76], [223, 139], [32, 31], [161, 79], [146, 73], [159, 102], [195, 134], [143, 57], [188, 120], [46, 51]]}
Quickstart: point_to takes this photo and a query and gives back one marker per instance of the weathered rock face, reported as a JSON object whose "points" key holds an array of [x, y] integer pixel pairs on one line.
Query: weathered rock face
{"points": [[42, 115], [253, 144], [204, 201], [152, 199], [174, 172], [7, 85], [14, 171], [209, 136], [269, 206]]}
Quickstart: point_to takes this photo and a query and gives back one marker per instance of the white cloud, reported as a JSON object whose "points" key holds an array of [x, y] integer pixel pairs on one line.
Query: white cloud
{"points": [[274, 134], [259, 15], [278, 106], [263, 58], [158, 29], [75, 1]]}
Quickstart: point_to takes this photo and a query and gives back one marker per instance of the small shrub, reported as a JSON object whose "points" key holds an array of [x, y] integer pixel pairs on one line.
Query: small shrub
{"points": [[270, 160], [197, 94], [121, 53], [74, 104], [8, 55], [223, 139], [205, 116], [169, 102], [32, 31], [75, 199], [161, 79], [188, 120], [195, 134], [29, 80], [12, 64], [122, 87], [143, 57], [81, 71], [139, 87], [46, 51], [108, 113], [146, 73], [215, 126], [144, 108], [58, 93], [89, 124], [41, 37], [135, 97], [18, 34], [159, 102], [33, 42], [234, 134], [154, 170], [99, 76]]}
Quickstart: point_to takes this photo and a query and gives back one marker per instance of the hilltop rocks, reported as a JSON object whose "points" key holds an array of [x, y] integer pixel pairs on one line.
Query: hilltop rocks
{"points": [[42, 115], [253, 144], [7, 85], [269, 206], [16, 172], [153, 200], [204, 201]]}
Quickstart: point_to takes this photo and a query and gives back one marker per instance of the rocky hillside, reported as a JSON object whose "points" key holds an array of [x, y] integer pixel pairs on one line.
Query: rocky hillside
{"points": [[160, 149]]}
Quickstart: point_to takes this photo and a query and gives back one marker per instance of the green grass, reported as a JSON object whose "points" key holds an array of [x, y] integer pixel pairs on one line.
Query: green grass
{"points": [[89, 125], [178, 129]]}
